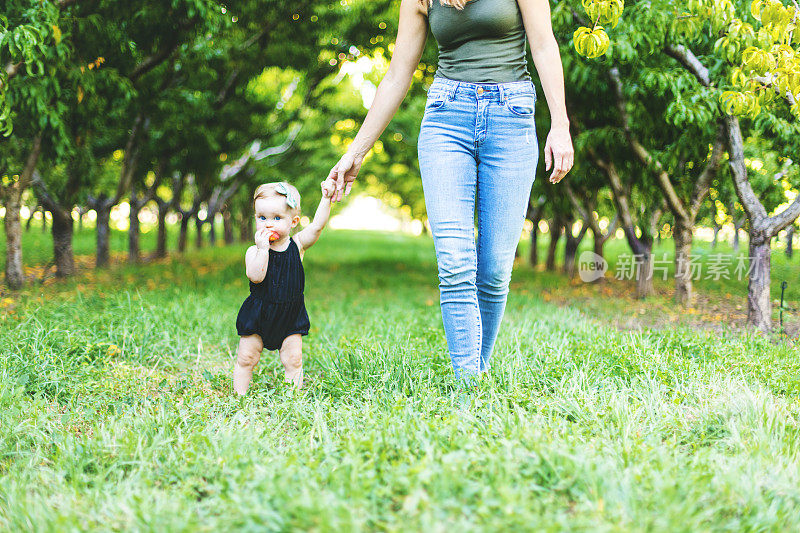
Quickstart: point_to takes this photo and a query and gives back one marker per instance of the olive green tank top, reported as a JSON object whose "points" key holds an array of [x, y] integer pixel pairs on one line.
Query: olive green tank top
{"points": [[483, 43]]}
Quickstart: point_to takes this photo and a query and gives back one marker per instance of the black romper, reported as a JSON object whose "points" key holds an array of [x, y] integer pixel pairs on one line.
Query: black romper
{"points": [[275, 308]]}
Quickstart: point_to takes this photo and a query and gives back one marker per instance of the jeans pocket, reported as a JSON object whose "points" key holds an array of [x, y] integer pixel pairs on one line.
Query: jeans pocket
{"points": [[522, 104], [435, 100]]}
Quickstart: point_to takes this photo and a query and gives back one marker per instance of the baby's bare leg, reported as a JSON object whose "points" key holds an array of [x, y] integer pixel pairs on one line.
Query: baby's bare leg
{"points": [[247, 356], [292, 359]]}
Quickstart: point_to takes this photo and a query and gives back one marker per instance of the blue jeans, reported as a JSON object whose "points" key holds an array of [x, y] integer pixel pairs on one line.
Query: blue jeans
{"points": [[477, 152]]}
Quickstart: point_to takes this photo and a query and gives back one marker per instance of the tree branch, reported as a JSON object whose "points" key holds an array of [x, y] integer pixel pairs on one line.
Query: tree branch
{"points": [[676, 205], [151, 62], [282, 148], [750, 202], [30, 165], [690, 62], [45, 198], [132, 149], [620, 197], [770, 83], [791, 213], [583, 210], [786, 217], [703, 183], [224, 94]]}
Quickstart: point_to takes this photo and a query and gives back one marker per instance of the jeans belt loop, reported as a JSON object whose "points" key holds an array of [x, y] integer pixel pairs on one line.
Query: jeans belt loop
{"points": [[502, 94], [453, 89]]}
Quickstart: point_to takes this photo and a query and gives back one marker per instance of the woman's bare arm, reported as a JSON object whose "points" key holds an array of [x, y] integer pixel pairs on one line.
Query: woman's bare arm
{"points": [[558, 151], [412, 30]]}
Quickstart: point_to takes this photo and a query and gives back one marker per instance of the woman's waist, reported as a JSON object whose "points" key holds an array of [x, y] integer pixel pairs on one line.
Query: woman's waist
{"points": [[490, 91]]}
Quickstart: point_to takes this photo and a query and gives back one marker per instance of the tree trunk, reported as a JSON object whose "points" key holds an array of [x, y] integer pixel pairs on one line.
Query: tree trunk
{"points": [[571, 247], [227, 226], [30, 218], [134, 252], [759, 306], [644, 272], [534, 214], [62, 231], [533, 253], [736, 227], [555, 234], [717, 227], [182, 234], [198, 224], [599, 242], [15, 277], [789, 241], [246, 229], [161, 235], [212, 231], [103, 229], [682, 235], [570, 251]]}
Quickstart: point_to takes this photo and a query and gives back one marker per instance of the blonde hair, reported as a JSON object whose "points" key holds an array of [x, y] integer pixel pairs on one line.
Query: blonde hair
{"points": [[442, 2], [277, 188]]}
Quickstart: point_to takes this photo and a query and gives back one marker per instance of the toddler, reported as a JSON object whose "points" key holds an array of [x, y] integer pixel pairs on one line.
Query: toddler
{"points": [[274, 315]]}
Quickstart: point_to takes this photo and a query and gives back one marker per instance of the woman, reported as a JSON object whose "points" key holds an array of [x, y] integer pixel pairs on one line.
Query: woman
{"points": [[477, 148]]}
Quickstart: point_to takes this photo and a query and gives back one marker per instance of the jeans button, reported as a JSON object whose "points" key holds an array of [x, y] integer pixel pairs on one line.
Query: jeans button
{"points": [[480, 90]]}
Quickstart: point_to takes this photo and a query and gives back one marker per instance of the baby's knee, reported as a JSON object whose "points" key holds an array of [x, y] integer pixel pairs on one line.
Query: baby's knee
{"points": [[247, 359], [292, 353], [248, 355], [292, 359]]}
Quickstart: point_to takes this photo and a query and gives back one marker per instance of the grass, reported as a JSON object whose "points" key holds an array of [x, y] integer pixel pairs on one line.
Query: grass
{"points": [[116, 409]]}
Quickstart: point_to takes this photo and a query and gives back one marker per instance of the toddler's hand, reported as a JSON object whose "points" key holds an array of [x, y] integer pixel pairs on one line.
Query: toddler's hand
{"points": [[262, 239], [328, 188]]}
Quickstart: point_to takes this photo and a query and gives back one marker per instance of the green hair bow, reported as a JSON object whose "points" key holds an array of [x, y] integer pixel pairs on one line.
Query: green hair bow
{"points": [[281, 188]]}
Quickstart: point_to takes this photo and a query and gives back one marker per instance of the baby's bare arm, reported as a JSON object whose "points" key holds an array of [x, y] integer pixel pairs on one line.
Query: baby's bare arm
{"points": [[256, 261], [310, 234]]}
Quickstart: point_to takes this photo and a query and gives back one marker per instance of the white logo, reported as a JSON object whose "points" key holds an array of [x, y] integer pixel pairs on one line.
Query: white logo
{"points": [[591, 266]]}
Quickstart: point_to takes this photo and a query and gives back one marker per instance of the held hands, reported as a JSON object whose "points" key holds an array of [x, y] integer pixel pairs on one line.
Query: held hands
{"points": [[329, 188], [344, 173], [558, 153]]}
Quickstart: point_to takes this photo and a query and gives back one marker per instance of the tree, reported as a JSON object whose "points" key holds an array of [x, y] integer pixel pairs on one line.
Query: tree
{"points": [[13, 185], [29, 38], [748, 72]]}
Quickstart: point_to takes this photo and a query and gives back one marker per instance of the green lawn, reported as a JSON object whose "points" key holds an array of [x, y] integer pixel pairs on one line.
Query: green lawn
{"points": [[116, 409]]}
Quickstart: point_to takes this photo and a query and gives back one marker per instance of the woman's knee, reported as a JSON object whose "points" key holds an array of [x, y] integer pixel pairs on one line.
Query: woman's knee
{"points": [[494, 279], [457, 269]]}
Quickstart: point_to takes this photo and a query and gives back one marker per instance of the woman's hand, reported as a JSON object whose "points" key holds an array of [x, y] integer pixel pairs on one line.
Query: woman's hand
{"points": [[412, 30], [344, 173], [558, 153]]}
